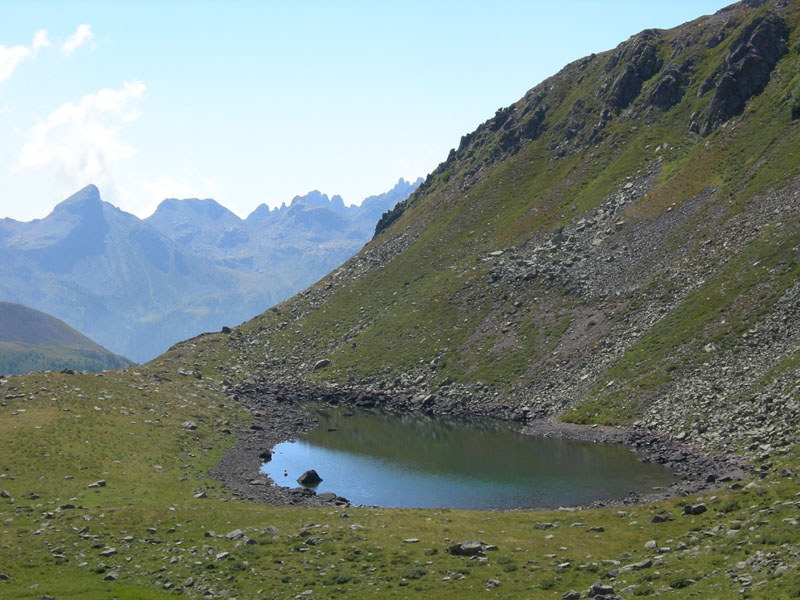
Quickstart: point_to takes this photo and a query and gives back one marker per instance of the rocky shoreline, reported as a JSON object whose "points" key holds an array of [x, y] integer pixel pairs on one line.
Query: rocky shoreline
{"points": [[279, 416]]}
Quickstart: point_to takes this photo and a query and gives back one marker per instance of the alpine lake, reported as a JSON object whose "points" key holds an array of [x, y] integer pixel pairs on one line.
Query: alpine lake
{"points": [[385, 459]]}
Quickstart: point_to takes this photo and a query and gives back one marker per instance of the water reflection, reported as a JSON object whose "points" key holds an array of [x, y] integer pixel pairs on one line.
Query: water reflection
{"points": [[388, 459]]}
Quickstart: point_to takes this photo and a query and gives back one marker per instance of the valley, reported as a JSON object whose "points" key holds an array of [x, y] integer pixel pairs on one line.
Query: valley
{"points": [[612, 258]]}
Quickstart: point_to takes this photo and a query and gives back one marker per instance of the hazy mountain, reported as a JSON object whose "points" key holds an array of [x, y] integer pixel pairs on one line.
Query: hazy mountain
{"points": [[138, 286], [31, 340]]}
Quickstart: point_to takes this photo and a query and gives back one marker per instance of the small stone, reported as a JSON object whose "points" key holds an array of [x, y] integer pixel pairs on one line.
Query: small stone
{"points": [[190, 425], [111, 576], [4, 494], [109, 552], [314, 541], [5, 577], [411, 541], [660, 518], [270, 530], [570, 595], [651, 545], [222, 555], [321, 364], [492, 583], [199, 495], [597, 529], [189, 582], [98, 484], [236, 534], [638, 566]]}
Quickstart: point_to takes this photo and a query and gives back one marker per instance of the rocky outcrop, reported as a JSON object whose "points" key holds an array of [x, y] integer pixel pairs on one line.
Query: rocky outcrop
{"points": [[669, 89], [745, 71], [641, 62]]}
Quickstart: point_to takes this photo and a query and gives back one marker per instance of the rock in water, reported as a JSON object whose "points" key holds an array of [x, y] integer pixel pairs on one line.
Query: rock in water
{"points": [[310, 477]]}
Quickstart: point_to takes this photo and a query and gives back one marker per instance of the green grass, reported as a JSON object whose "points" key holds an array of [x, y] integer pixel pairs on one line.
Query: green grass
{"points": [[150, 516]]}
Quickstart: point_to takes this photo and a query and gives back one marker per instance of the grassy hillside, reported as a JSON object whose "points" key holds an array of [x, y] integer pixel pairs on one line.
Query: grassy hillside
{"points": [[620, 246], [31, 340]]}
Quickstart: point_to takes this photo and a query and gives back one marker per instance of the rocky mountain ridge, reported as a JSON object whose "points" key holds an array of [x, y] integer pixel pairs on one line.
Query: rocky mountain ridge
{"points": [[139, 286]]}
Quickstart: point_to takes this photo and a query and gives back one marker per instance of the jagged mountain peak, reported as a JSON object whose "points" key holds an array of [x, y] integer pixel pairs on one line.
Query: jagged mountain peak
{"points": [[317, 199], [85, 199], [138, 286]]}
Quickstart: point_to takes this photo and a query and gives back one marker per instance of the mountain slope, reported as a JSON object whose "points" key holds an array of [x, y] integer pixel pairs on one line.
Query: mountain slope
{"points": [[620, 246], [34, 341]]}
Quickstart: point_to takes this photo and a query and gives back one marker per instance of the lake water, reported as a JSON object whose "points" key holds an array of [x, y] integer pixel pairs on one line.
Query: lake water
{"points": [[387, 459]]}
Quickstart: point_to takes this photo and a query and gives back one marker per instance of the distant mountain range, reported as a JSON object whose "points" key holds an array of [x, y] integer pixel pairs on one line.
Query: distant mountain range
{"points": [[138, 286], [31, 340]]}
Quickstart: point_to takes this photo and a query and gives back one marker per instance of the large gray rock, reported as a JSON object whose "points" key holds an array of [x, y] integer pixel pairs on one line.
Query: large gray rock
{"points": [[466, 549], [310, 477]]}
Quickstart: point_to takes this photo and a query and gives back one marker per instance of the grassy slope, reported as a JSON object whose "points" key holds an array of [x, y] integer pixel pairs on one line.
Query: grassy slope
{"points": [[54, 442]]}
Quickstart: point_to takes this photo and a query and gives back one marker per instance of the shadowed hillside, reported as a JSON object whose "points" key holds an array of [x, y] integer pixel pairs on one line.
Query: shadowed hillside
{"points": [[34, 341]]}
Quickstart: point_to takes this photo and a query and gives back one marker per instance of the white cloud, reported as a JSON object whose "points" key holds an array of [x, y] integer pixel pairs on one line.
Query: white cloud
{"points": [[40, 41], [82, 35], [80, 143], [11, 56]]}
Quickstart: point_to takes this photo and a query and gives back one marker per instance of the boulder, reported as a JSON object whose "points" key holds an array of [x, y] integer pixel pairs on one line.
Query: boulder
{"points": [[321, 364], [466, 549], [600, 589], [310, 477], [694, 509]]}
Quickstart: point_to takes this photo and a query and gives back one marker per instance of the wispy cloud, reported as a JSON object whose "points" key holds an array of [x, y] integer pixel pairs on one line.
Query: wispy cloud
{"points": [[82, 35], [81, 142], [12, 56]]}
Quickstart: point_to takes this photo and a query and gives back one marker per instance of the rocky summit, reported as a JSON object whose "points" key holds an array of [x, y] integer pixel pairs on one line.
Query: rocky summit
{"points": [[612, 258]]}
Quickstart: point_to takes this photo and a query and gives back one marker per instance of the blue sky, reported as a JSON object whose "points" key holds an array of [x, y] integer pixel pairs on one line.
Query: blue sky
{"points": [[253, 102]]}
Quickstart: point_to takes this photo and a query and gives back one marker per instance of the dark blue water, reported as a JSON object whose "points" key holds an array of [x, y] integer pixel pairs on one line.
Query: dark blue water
{"points": [[385, 459]]}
